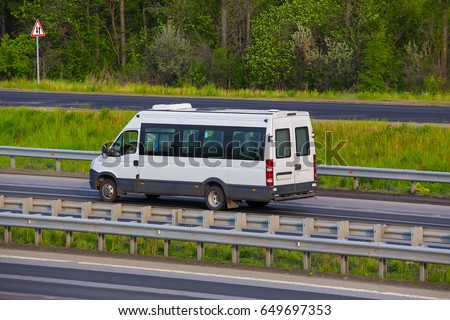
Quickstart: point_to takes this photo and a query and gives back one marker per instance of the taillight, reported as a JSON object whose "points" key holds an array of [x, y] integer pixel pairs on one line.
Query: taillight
{"points": [[315, 168], [269, 172]]}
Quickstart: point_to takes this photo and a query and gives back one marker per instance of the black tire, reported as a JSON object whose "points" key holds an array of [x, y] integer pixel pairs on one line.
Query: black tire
{"points": [[108, 190], [257, 204], [152, 196], [215, 198]]}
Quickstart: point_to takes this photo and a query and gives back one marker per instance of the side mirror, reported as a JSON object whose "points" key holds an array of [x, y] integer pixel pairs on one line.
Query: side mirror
{"points": [[104, 150]]}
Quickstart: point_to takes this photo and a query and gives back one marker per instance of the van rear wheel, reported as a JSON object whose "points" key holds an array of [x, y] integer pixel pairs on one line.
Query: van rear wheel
{"points": [[215, 198], [108, 190], [257, 204]]}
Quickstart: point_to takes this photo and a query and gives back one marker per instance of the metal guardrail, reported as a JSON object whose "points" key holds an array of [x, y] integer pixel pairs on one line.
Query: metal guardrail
{"points": [[342, 171], [57, 154], [344, 238], [384, 173]]}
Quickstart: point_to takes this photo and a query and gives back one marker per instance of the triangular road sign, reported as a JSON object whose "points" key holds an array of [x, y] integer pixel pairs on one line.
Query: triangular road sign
{"points": [[37, 30]]}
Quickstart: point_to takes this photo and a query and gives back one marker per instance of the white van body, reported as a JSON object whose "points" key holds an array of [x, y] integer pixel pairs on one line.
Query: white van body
{"points": [[225, 156]]}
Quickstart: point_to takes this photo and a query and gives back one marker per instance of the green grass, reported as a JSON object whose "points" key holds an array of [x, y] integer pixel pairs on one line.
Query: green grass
{"points": [[355, 143], [383, 145], [284, 259], [96, 86]]}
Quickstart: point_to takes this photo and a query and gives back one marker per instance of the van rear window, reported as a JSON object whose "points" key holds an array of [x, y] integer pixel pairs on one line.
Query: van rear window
{"points": [[283, 143], [301, 141]]}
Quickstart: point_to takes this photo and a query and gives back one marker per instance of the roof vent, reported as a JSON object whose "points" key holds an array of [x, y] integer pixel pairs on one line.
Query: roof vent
{"points": [[175, 106]]}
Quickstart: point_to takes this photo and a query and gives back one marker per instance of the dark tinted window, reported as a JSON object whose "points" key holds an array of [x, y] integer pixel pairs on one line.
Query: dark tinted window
{"points": [[159, 141], [302, 141], [283, 143], [203, 141]]}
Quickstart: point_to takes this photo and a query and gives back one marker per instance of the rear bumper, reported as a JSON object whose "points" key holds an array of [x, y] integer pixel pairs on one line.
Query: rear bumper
{"points": [[293, 196], [277, 193]]}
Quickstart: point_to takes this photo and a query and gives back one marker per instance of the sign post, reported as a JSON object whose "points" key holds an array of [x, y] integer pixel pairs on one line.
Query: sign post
{"points": [[37, 32]]}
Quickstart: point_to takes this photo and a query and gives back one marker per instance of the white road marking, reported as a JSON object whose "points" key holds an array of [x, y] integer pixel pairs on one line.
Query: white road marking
{"points": [[298, 286]]}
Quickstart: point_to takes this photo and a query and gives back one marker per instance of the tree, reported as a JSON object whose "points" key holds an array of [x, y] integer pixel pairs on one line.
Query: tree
{"points": [[270, 57], [169, 55], [375, 70], [123, 37]]}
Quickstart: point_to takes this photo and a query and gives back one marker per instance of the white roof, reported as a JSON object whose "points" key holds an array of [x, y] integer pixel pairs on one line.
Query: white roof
{"points": [[173, 107], [183, 107]]}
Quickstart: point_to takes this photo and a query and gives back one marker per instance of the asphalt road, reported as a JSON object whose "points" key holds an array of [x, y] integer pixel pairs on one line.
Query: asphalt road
{"points": [[317, 110], [49, 275]]}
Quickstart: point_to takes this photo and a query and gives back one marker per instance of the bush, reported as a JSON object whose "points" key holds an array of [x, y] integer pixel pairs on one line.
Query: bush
{"points": [[16, 57]]}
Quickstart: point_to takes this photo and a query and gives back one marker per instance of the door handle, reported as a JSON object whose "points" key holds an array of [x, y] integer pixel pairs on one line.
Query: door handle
{"points": [[298, 166], [136, 163]]}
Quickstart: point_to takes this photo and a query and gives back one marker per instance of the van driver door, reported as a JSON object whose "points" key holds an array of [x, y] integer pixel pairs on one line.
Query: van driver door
{"points": [[123, 160]]}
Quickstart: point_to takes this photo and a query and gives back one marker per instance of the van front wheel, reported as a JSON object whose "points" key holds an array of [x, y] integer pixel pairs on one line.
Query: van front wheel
{"points": [[215, 198], [108, 190]]}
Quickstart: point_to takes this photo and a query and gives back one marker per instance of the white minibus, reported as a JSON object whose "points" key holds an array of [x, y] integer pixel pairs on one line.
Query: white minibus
{"points": [[226, 156]]}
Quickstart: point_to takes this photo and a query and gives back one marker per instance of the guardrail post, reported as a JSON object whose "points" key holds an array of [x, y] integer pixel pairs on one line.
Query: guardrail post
{"points": [[200, 250], [116, 211], [58, 165], [56, 207], [378, 231], [175, 220], [69, 238], [273, 226], [240, 222], [177, 216], [133, 245], [27, 205], [413, 187], [146, 214], [308, 229], [101, 242], [166, 248], [417, 240], [208, 218], [2, 201], [355, 183], [7, 234], [12, 161], [86, 209], [37, 236], [343, 230]]}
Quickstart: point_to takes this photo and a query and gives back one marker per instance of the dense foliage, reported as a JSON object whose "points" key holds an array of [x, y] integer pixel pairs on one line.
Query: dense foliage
{"points": [[358, 45]]}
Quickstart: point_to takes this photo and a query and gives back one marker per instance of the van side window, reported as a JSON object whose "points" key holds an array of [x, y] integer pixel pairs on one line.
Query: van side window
{"points": [[159, 141], [126, 144], [213, 146], [302, 141], [283, 143], [247, 145], [190, 144]]}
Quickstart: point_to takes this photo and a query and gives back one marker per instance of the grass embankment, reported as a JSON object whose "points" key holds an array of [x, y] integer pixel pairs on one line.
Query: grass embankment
{"points": [[368, 143], [98, 86], [359, 143]]}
